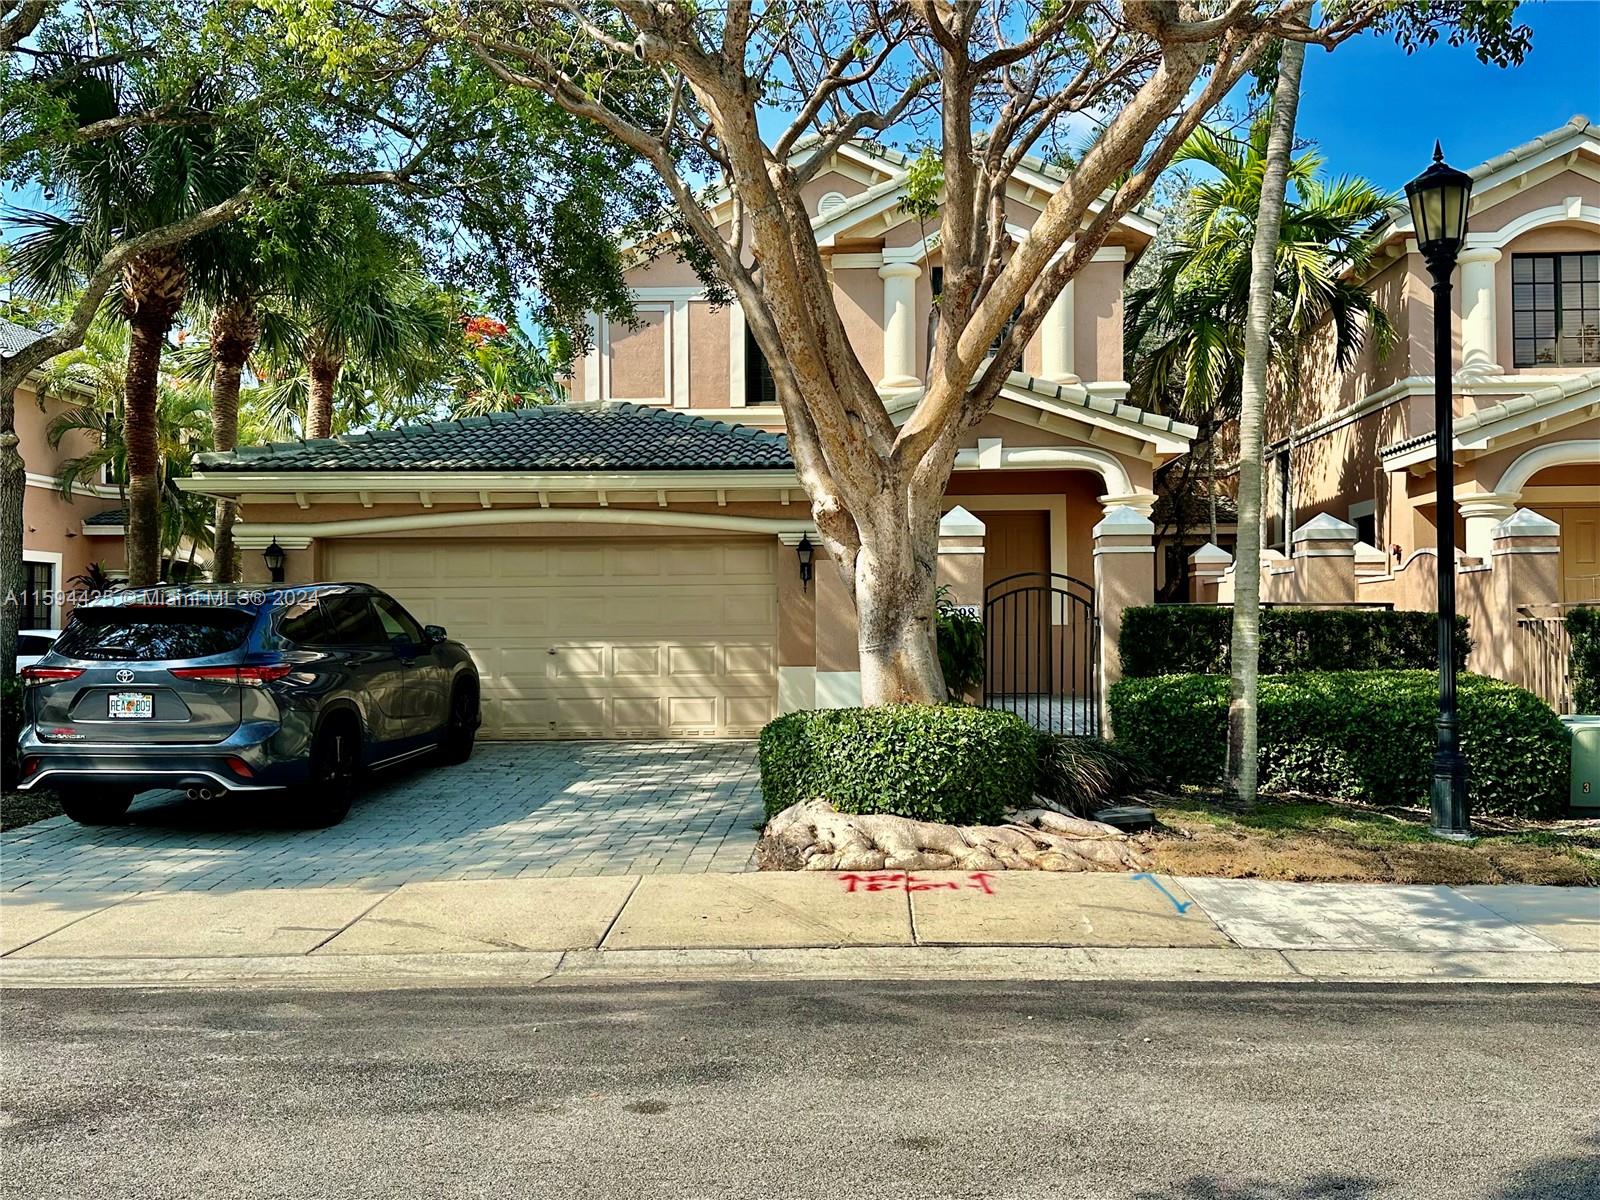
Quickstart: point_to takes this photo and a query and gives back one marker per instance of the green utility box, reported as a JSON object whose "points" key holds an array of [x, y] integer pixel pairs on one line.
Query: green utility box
{"points": [[1585, 765]]}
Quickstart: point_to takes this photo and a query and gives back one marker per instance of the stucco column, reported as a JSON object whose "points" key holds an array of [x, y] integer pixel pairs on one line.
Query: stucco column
{"points": [[1482, 513], [1527, 576], [960, 566], [1057, 352], [1477, 313], [797, 629], [1325, 560], [1124, 577], [899, 325], [961, 558], [1207, 566]]}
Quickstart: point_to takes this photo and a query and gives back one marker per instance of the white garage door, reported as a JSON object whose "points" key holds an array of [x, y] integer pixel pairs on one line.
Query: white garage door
{"points": [[606, 638]]}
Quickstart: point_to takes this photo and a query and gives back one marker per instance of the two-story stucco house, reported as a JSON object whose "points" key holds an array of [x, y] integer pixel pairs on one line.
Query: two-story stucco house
{"points": [[60, 537], [1526, 334], [626, 564]]}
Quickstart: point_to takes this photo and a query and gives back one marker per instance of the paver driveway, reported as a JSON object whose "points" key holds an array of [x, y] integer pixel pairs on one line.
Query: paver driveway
{"points": [[550, 808]]}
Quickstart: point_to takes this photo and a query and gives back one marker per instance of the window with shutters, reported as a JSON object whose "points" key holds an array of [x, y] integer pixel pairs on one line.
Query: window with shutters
{"points": [[759, 387], [1555, 309]]}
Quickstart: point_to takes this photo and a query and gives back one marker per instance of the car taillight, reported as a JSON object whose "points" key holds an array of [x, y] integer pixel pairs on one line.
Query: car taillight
{"points": [[29, 766], [238, 766], [50, 674], [249, 676]]}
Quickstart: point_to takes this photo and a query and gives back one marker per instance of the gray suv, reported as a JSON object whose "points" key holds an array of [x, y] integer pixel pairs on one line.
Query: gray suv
{"points": [[224, 690]]}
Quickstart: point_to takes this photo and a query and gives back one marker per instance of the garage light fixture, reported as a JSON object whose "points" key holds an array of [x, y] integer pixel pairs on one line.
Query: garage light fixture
{"points": [[275, 559], [804, 552]]}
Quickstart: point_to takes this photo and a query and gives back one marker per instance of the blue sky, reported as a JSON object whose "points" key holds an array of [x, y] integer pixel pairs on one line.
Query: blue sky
{"points": [[1375, 111]]}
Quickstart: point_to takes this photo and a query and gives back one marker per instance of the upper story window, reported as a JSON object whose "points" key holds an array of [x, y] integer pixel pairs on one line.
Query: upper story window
{"points": [[937, 277], [1555, 309], [759, 387]]}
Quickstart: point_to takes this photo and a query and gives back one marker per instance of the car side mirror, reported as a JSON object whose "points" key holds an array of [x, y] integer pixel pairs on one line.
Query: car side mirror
{"points": [[435, 634]]}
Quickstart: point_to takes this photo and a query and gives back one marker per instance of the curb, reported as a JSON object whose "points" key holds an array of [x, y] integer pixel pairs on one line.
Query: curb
{"points": [[604, 967]]}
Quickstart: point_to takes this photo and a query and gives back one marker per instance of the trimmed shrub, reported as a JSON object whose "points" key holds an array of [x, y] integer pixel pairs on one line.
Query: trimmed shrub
{"points": [[1583, 627], [1085, 773], [1362, 735], [1168, 639], [947, 762]]}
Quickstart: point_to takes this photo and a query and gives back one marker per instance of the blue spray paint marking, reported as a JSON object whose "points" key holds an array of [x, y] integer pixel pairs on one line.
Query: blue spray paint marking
{"points": [[1181, 905]]}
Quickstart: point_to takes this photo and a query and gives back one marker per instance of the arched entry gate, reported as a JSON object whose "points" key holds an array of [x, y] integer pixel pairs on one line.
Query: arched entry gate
{"points": [[1042, 650]]}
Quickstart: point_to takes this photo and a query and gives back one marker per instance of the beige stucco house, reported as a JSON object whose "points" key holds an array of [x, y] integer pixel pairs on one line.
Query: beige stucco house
{"points": [[1526, 332], [60, 537], [626, 565]]}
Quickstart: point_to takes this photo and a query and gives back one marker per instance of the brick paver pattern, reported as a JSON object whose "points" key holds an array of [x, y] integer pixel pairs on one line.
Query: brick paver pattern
{"points": [[527, 809]]}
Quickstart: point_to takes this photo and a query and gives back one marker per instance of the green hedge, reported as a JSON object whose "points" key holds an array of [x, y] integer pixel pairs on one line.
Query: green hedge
{"points": [[1583, 627], [1366, 735], [1167, 639], [948, 762]]}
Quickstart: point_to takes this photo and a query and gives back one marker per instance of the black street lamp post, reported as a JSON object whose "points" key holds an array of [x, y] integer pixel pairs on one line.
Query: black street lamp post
{"points": [[1438, 200]]}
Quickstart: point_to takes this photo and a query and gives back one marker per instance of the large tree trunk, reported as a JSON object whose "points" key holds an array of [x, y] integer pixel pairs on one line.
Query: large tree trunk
{"points": [[153, 287], [235, 330], [1245, 651], [13, 487], [322, 372], [895, 590]]}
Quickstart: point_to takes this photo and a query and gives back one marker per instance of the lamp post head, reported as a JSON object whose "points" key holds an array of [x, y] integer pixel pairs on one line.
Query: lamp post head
{"points": [[1438, 199], [804, 551]]}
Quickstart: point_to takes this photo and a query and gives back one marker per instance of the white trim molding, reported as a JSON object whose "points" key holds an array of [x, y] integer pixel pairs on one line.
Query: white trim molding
{"points": [[457, 522], [1552, 454]]}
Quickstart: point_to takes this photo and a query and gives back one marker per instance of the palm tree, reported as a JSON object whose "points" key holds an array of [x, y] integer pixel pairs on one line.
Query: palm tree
{"points": [[1186, 327], [182, 431], [144, 178], [355, 296]]}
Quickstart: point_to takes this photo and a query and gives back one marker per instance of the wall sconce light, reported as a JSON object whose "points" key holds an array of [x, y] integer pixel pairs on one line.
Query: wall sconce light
{"points": [[275, 559], [804, 552]]}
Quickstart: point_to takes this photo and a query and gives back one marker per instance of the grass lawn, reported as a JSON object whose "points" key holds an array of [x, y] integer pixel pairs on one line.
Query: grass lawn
{"points": [[24, 808], [1330, 841]]}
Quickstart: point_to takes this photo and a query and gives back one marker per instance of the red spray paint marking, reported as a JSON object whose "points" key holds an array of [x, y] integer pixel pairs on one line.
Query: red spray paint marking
{"points": [[904, 881]]}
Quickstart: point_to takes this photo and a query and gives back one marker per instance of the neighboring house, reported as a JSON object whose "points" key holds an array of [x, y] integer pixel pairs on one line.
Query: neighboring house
{"points": [[56, 539], [1359, 445], [625, 565]]}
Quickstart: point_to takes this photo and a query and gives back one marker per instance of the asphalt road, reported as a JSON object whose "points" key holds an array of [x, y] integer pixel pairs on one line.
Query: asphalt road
{"points": [[904, 1091]]}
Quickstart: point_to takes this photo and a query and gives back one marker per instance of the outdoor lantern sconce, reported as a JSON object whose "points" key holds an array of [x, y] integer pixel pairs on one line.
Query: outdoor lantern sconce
{"points": [[1439, 198], [804, 552], [275, 559]]}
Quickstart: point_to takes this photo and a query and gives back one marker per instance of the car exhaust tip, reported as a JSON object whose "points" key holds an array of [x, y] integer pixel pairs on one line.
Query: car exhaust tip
{"points": [[198, 793]]}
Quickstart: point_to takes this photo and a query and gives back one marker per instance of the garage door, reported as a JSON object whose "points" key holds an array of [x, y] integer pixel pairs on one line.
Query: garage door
{"points": [[617, 638]]}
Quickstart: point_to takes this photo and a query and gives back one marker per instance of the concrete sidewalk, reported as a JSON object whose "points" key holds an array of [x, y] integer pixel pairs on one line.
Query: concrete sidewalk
{"points": [[776, 925]]}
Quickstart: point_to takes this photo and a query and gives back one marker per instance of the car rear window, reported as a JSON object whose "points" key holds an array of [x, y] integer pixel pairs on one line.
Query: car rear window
{"points": [[153, 634]]}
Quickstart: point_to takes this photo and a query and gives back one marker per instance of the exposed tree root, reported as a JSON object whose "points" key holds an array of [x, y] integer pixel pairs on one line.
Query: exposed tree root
{"points": [[811, 836]]}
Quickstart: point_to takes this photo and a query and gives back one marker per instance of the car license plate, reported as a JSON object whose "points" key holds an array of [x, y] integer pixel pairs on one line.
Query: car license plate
{"points": [[132, 705]]}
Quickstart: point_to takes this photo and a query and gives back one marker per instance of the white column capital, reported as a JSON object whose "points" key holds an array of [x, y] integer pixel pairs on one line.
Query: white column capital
{"points": [[899, 270], [1478, 254], [1141, 503]]}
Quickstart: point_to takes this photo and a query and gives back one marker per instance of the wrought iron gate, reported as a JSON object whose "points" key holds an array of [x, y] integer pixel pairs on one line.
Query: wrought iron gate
{"points": [[1042, 650]]}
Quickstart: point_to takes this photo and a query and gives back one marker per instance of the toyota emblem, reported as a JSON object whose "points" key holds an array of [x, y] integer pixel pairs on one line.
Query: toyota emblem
{"points": [[124, 676]]}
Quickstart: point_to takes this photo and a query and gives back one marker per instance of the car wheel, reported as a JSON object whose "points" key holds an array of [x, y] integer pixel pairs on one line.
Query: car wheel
{"points": [[461, 726], [335, 774], [99, 807]]}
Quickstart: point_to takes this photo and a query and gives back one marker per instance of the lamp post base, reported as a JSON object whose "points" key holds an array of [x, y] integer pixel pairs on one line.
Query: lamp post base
{"points": [[1449, 798]]}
